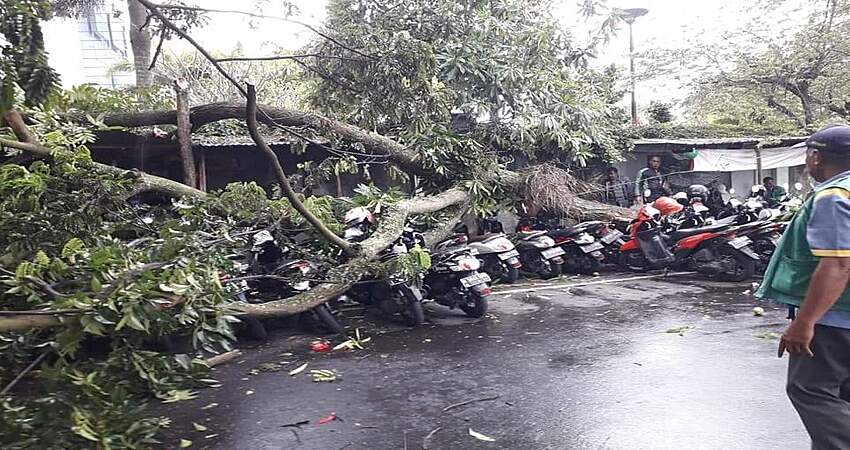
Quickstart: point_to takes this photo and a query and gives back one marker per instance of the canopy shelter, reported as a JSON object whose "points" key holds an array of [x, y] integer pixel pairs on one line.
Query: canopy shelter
{"points": [[733, 160]]}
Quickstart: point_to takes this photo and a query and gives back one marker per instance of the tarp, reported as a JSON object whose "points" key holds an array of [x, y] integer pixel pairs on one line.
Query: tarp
{"points": [[721, 160]]}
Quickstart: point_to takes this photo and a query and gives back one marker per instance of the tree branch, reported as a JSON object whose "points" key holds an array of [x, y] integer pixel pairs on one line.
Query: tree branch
{"points": [[251, 121], [263, 16], [144, 182], [154, 10], [287, 57]]}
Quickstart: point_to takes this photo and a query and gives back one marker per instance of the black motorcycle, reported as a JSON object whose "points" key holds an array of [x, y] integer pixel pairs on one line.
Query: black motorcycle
{"points": [[454, 280]]}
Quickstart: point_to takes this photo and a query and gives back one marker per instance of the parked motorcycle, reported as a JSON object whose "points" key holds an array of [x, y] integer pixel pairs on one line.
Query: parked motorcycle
{"points": [[582, 252], [715, 250], [539, 254], [498, 255], [268, 275], [395, 294], [454, 279]]}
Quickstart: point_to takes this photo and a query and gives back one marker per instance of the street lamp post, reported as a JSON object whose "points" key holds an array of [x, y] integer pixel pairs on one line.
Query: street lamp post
{"points": [[629, 15]]}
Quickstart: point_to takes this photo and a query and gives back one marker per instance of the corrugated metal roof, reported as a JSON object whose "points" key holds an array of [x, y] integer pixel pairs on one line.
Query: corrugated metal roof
{"points": [[711, 141]]}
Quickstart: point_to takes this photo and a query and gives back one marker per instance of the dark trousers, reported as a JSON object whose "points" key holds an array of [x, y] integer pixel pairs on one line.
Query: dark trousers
{"points": [[819, 388]]}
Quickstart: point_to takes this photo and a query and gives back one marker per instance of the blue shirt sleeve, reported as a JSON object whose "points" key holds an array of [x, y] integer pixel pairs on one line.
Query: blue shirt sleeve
{"points": [[828, 230]]}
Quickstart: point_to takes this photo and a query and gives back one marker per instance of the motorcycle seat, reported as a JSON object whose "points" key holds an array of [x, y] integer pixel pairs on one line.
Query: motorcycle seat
{"points": [[569, 231], [486, 237], [681, 234], [528, 235]]}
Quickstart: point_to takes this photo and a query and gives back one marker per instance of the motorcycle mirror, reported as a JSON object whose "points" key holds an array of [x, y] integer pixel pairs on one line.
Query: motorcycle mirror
{"points": [[755, 189], [647, 193], [732, 191], [798, 186]]}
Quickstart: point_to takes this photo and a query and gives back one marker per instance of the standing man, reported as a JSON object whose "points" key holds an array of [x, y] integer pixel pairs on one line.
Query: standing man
{"points": [[809, 272], [651, 178], [616, 189], [773, 194]]}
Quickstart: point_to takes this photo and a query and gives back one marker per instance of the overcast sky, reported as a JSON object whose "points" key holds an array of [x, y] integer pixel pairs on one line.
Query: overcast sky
{"points": [[669, 24]]}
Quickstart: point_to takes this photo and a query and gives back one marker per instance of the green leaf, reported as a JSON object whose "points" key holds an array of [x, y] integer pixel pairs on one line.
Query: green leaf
{"points": [[185, 443]]}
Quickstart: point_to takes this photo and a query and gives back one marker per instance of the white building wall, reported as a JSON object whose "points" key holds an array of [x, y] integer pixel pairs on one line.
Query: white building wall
{"points": [[89, 49]]}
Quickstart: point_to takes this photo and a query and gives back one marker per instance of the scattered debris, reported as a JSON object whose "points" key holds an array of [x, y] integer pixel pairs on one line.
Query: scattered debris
{"points": [[323, 375], [366, 427], [298, 370], [210, 406], [480, 437], [427, 440], [210, 436], [355, 343], [681, 329], [249, 392], [637, 364], [198, 427], [320, 346], [265, 367], [329, 419], [185, 443], [458, 405], [295, 424], [758, 311], [770, 335], [218, 360]]}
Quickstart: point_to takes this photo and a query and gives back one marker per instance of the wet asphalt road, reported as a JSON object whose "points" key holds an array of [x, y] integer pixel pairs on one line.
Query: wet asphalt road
{"points": [[588, 367]]}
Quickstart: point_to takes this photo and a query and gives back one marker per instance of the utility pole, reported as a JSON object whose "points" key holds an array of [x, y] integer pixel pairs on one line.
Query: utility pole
{"points": [[630, 15]]}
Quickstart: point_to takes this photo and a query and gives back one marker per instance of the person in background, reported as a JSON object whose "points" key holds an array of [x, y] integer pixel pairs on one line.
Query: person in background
{"points": [[651, 178], [809, 272], [773, 194], [616, 189]]}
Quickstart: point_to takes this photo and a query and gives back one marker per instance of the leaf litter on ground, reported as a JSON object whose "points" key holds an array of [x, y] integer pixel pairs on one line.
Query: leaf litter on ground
{"points": [[480, 437], [298, 369], [681, 329]]}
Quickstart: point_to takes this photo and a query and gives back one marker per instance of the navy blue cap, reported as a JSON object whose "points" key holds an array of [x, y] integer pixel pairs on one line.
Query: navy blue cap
{"points": [[832, 138]]}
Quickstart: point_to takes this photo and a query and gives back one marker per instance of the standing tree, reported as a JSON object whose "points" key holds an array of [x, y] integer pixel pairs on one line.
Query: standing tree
{"points": [[140, 41]]}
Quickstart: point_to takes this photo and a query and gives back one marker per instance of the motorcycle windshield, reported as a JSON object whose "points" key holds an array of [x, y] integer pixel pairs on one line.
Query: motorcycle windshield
{"points": [[654, 247]]}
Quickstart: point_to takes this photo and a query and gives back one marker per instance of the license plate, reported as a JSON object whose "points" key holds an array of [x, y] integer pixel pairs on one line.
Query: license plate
{"points": [[612, 236], [508, 255], [475, 280], [592, 247], [740, 242], [550, 253]]}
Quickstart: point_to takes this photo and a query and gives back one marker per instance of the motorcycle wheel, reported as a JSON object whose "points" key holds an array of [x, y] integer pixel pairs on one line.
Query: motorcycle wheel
{"points": [[327, 319], [415, 315], [745, 267], [634, 261], [510, 275], [255, 329], [477, 308], [550, 270]]}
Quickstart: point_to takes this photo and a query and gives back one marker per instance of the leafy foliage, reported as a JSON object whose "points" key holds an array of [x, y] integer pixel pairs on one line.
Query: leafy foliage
{"points": [[406, 69], [23, 61], [660, 112]]}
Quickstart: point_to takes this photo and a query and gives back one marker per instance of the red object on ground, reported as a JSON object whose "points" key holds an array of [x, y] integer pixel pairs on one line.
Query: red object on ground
{"points": [[320, 346], [327, 419]]}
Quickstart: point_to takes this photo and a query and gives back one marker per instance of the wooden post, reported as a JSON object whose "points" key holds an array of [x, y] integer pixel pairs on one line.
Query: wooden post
{"points": [[202, 169], [184, 133]]}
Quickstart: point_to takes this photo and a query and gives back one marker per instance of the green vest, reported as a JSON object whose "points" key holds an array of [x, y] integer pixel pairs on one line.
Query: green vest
{"points": [[790, 270]]}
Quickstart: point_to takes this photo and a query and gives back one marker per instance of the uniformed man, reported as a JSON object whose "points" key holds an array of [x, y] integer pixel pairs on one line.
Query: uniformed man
{"points": [[651, 178], [809, 272]]}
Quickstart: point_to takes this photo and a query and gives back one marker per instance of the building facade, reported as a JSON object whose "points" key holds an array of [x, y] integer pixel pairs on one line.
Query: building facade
{"points": [[93, 49]]}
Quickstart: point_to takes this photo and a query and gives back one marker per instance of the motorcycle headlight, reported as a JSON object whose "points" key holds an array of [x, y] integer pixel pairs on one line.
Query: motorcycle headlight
{"points": [[583, 239], [466, 264]]}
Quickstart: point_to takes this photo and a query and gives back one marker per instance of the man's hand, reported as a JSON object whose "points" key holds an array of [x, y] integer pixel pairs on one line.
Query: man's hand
{"points": [[797, 339]]}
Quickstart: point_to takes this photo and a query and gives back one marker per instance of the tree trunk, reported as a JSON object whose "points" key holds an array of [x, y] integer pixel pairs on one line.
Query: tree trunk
{"points": [[140, 40], [184, 134]]}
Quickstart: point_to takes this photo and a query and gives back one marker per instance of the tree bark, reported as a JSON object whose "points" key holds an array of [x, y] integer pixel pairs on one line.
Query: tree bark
{"points": [[140, 41], [184, 133], [271, 157], [144, 182]]}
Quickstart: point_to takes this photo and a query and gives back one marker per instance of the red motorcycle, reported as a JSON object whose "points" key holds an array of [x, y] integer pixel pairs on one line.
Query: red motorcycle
{"points": [[657, 242]]}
